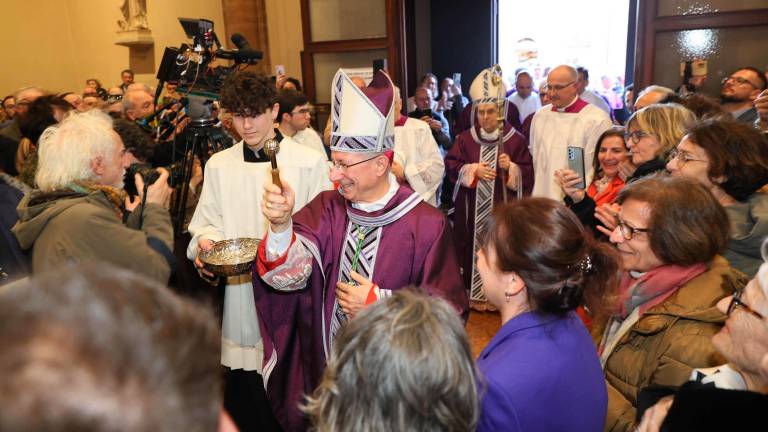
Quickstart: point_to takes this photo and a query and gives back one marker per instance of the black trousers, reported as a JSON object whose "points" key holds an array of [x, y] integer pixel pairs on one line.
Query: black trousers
{"points": [[246, 401]]}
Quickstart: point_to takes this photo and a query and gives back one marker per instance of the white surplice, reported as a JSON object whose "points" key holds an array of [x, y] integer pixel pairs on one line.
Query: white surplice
{"points": [[552, 132], [309, 138], [230, 207], [417, 152]]}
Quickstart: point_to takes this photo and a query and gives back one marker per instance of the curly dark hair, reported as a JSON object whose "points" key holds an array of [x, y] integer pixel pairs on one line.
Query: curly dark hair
{"points": [[136, 141], [247, 93]]}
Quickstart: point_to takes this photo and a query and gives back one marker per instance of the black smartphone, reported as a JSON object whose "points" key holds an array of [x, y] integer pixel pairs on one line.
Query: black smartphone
{"points": [[576, 163], [417, 114], [379, 64]]}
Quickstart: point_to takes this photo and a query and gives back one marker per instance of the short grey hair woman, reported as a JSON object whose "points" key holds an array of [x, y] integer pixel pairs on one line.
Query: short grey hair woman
{"points": [[403, 364]]}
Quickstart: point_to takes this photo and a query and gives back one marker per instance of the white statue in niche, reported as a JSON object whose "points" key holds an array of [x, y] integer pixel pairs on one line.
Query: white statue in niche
{"points": [[134, 14]]}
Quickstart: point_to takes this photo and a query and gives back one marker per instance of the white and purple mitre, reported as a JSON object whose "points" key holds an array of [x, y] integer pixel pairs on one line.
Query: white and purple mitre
{"points": [[363, 121], [488, 86]]}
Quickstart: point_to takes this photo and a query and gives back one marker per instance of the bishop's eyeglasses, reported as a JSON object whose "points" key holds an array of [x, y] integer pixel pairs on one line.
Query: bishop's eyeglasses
{"points": [[343, 167]]}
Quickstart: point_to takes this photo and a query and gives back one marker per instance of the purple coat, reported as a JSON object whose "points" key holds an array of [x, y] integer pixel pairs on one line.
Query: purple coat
{"points": [[416, 249], [541, 373]]}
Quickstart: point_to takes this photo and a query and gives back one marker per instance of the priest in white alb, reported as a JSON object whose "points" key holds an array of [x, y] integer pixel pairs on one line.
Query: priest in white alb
{"points": [[417, 156], [566, 121], [293, 120]]}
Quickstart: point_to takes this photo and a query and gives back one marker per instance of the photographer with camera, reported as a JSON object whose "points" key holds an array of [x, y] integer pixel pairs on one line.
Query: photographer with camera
{"points": [[77, 213], [436, 121]]}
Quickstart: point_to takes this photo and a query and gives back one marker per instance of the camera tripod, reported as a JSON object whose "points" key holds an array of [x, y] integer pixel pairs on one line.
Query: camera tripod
{"points": [[200, 139]]}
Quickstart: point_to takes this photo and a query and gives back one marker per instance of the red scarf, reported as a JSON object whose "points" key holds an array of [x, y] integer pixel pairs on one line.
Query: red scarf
{"points": [[609, 194], [653, 287]]}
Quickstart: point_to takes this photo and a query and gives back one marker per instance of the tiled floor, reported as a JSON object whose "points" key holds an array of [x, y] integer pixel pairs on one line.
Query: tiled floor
{"points": [[481, 327]]}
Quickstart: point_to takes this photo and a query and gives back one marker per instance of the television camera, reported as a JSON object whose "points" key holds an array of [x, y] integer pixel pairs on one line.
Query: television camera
{"points": [[199, 76]]}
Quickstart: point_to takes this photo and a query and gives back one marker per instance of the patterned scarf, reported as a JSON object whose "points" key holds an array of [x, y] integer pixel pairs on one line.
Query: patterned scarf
{"points": [[115, 196], [653, 287]]}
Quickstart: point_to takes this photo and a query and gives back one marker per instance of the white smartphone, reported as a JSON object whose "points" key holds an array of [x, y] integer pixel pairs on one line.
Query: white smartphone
{"points": [[279, 70], [576, 163]]}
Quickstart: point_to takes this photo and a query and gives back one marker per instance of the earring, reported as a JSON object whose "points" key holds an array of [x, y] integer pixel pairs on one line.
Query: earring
{"points": [[507, 296]]}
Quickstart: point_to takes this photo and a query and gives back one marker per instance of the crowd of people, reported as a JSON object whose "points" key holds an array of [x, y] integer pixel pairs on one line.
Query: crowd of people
{"points": [[626, 260]]}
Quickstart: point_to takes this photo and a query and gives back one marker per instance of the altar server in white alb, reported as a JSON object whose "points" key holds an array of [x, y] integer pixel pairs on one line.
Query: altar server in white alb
{"points": [[566, 121], [230, 207], [294, 120], [417, 155]]}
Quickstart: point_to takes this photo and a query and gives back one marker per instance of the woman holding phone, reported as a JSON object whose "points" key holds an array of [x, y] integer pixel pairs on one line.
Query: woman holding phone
{"points": [[651, 134], [610, 154]]}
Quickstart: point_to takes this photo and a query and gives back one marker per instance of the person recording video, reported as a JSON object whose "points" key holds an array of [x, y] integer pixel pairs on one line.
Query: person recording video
{"points": [[436, 121]]}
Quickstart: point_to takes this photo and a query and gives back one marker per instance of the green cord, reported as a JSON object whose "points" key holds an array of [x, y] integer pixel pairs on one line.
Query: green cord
{"points": [[361, 233]]}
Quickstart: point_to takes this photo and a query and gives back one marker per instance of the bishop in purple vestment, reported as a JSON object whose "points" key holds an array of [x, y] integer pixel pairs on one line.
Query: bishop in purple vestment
{"points": [[345, 249], [482, 170]]}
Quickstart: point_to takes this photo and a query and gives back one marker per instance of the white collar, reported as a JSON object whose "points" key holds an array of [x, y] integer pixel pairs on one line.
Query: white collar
{"points": [[489, 136], [381, 202]]}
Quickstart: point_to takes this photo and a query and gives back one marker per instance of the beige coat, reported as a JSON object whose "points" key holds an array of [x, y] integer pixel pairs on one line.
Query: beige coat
{"points": [[670, 340]]}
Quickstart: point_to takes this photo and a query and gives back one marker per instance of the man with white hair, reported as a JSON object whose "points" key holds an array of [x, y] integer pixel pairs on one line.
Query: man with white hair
{"points": [[417, 156], [77, 213], [138, 104], [651, 95], [568, 121]]}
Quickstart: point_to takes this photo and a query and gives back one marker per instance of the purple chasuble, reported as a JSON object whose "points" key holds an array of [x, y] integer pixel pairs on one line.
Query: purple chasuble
{"points": [[467, 151], [414, 248]]}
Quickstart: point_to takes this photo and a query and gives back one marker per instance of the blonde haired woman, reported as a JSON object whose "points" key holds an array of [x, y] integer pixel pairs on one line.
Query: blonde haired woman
{"points": [[651, 134]]}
